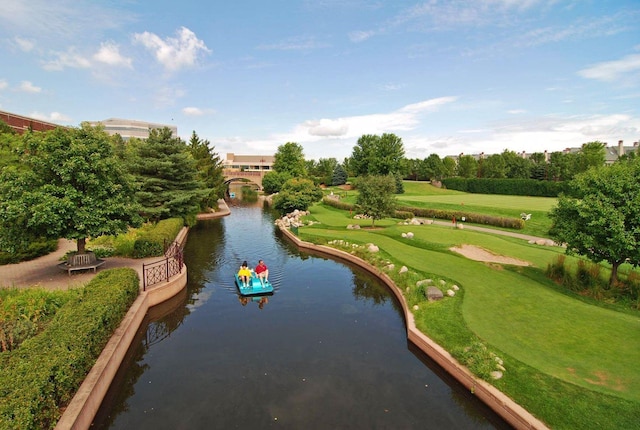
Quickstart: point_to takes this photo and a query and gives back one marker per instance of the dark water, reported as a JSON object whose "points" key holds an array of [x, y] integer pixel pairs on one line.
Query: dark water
{"points": [[327, 350]]}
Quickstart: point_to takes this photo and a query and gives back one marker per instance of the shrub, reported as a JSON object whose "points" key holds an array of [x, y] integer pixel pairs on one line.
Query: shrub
{"points": [[34, 249], [152, 242], [515, 223], [518, 187], [43, 374]]}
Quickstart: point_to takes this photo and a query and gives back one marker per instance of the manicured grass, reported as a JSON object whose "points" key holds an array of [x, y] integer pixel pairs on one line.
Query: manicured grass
{"points": [[550, 340]]}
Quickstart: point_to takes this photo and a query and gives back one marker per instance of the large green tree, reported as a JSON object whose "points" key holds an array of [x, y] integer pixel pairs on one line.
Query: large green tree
{"points": [[166, 177], [290, 159], [600, 219], [377, 155], [467, 166], [210, 169], [297, 193], [376, 196], [68, 185]]}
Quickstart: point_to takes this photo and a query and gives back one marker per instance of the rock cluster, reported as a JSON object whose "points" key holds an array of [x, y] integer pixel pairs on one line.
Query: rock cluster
{"points": [[292, 219]]}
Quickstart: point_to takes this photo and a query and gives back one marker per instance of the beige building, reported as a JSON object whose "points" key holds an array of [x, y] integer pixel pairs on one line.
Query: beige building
{"points": [[248, 163], [128, 128]]}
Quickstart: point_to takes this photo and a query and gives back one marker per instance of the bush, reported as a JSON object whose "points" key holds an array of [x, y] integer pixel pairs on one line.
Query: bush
{"points": [[43, 374], [34, 249], [297, 194], [516, 187], [152, 242], [515, 223]]}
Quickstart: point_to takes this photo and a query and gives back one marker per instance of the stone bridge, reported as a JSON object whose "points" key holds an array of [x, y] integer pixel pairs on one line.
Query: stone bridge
{"points": [[251, 176]]}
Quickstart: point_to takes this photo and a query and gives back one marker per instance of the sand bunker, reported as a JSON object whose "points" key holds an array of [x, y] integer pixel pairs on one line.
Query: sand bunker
{"points": [[476, 253]]}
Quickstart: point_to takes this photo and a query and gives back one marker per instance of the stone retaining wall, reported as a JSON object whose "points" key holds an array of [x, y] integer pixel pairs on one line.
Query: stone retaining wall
{"points": [[503, 405]]}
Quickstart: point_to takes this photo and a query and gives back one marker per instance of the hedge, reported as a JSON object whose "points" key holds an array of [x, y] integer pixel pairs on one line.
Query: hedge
{"points": [[151, 242], [514, 187], [41, 376], [404, 212]]}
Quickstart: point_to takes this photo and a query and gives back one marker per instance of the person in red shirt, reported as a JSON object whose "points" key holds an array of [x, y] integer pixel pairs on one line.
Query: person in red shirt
{"points": [[262, 271]]}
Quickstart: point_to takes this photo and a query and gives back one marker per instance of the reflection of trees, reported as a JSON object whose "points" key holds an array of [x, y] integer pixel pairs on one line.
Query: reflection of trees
{"points": [[211, 239], [366, 287]]}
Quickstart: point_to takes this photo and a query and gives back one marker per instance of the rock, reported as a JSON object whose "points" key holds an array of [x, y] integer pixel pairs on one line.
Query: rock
{"points": [[433, 293], [451, 293], [414, 221], [404, 234], [443, 282], [455, 287], [403, 269], [373, 248], [416, 307], [496, 374], [460, 226], [390, 267], [410, 235], [423, 282]]}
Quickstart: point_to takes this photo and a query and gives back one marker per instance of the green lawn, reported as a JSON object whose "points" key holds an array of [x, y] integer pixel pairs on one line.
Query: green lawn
{"points": [[520, 314]]}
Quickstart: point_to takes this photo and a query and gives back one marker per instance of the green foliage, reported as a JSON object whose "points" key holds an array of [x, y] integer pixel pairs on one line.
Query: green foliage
{"points": [[273, 181], [375, 198], [377, 155], [210, 170], [339, 176], [602, 219], [43, 374], [467, 166], [69, 184], [34, 249], [514, 187], [298, 194], [166, 177], [290, 159], [24, 313], [152, 242]]}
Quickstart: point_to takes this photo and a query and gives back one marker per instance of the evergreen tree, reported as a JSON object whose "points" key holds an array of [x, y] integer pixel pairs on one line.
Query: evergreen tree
{"points": [[166, 177], [339, 176], [210, 170]]}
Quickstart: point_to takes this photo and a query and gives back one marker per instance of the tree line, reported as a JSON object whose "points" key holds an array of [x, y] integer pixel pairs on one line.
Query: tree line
{"points": [[78, 183]]}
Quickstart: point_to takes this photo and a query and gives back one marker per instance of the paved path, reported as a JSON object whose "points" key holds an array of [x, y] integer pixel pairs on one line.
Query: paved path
{"points": [[44, 272]]}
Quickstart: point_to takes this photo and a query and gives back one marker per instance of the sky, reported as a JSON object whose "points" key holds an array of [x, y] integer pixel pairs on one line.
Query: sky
{"points": [[447, 77]]}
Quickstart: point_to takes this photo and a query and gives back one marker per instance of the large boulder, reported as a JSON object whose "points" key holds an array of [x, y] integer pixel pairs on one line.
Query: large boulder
{"points": [[433, 293]]}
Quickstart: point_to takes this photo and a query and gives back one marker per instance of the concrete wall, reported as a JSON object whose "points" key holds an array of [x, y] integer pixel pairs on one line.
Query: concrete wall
{"points": [[504, 406]]}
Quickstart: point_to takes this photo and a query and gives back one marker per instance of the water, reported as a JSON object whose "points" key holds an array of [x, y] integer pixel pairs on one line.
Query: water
{"points": [[327, 350]]}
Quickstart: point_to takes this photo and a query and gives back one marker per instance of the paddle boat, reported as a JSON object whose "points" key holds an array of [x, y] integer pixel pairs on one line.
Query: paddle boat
{"points": [[254, 286]]}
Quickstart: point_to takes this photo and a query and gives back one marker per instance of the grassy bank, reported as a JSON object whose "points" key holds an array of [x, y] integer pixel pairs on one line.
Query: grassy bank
{"points": [[570, 362]]}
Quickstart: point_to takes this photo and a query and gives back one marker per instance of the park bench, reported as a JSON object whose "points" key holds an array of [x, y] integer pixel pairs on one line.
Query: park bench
{"points": [[81, 262]]}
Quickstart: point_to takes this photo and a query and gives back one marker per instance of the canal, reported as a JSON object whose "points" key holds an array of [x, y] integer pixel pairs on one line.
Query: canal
{"points": [[327, 350]]}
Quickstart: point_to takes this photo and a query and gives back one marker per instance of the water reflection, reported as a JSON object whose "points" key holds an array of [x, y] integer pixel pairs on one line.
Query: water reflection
{"points": [[327, 350]]}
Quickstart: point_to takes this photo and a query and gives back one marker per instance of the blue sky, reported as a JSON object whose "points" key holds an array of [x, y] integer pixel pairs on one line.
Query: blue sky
{"points": [[448, 77]]}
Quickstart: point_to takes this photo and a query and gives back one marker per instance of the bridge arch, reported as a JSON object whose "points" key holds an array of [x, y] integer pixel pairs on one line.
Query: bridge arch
{"points": [[250, 176]]}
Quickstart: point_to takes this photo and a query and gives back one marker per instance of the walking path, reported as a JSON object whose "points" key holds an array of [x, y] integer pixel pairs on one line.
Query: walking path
{"points": [[43, 271]]}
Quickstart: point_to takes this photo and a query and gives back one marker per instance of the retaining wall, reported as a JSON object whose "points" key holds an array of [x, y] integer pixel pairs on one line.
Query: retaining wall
{"points": [[503, 405]]}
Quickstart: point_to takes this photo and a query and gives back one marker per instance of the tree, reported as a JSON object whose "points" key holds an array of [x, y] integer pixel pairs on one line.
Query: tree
{"points": [[433, 168], [493, 167], [377, 155], [273, 181], [165, 175], [69, 185], [516, 166], [210, 169], [467, 166], [600, 219], [297, 193], [339, 176], [290, 159], [448, 167], [591, 154], [376, 196]]}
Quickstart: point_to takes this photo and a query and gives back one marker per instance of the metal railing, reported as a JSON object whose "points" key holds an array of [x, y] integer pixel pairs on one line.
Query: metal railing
{"points": [[163, 270]]}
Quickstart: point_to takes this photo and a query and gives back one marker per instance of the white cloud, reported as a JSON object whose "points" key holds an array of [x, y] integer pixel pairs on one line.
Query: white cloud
{"points": [[516, 111], [167, 96], [52, 117], [360, 36], [3, 84], [327, 127], [109, 53], [195, 111], [70, 58], [174, 53], [28, 87], [612, 70], [25, 45]]}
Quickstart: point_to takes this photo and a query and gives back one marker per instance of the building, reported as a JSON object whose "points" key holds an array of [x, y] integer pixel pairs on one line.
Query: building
{"points": [[21, 123], [128, 128], [248, 163]]}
